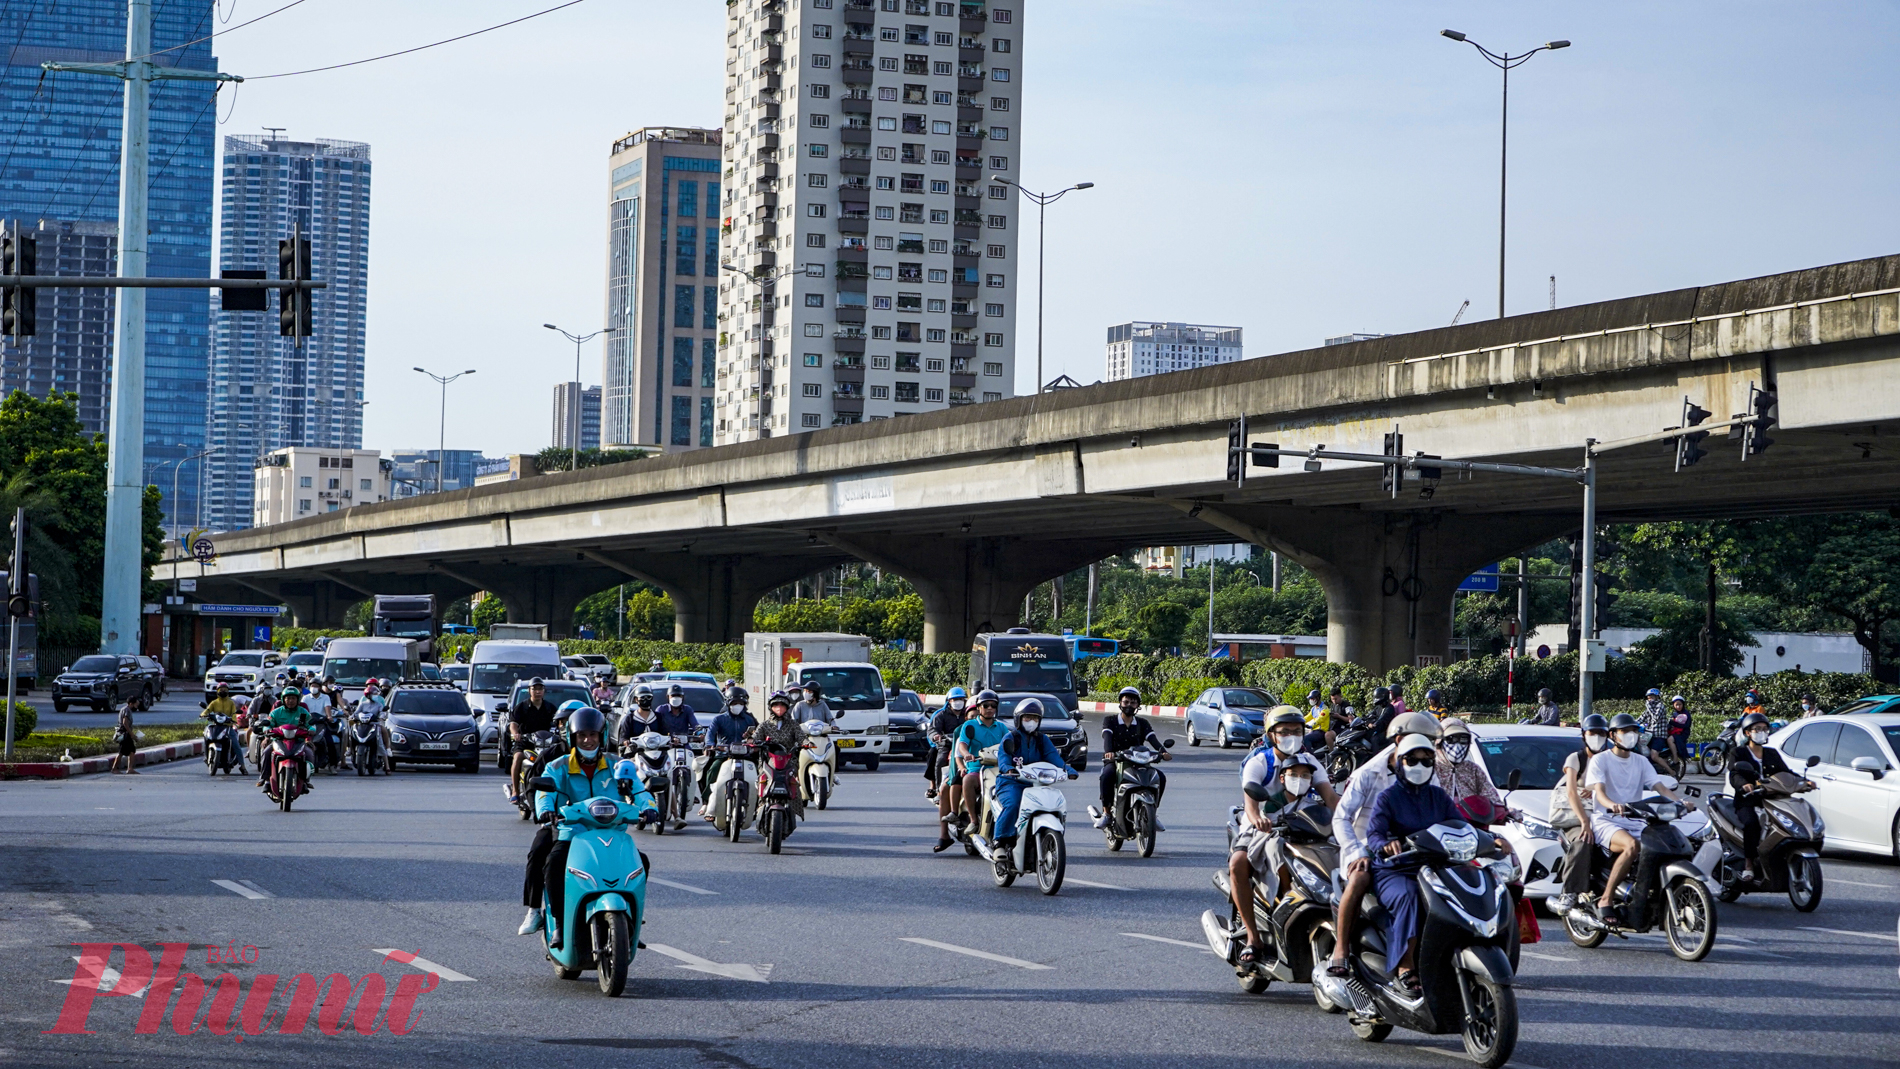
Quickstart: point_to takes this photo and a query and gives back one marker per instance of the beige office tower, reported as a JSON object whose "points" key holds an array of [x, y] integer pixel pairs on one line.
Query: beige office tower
{"points": [[877, 260]]}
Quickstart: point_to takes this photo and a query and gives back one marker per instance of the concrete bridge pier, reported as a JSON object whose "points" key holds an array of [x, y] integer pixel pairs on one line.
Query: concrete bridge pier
{"points": [[1389, 577], [319, 604], [970, 585], [713, 595]]}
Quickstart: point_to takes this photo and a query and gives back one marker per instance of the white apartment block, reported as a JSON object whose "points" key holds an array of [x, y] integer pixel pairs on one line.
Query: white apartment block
{"points": [[289, 484], [1141, 348], [859, 144]]}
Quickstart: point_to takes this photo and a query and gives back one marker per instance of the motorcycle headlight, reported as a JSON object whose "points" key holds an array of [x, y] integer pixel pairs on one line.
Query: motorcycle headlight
{"points": [[1787, 822], [1704, 835], [1316, 884], [398, 738], [1819, 824], [1505, 869], [577, 872]]}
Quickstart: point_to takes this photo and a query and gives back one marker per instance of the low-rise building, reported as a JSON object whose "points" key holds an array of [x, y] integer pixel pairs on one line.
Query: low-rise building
{"points": [[298, 481], [1142, 348]]}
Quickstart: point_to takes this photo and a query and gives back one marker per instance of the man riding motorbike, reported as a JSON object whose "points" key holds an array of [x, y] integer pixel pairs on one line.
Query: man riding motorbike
{"points": [[1287, 772], [779, 729], [584, 772], [1617, 778], [973, 737], [1547, 714], [728, 729], [1382, 712], [1025, 744], [811, 706], [1570, 812], [1122, 733], [1319, 721], [289, 711], [1436, 704], [640, 719], [526, 718], [1353, 816], [1411, 804], [1747, 771], [222, 704], [951, 714]]}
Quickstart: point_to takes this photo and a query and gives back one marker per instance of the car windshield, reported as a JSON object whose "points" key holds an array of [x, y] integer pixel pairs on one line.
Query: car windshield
{"points": [[454, 672], [1538, 759], [1037, 666], [1051, 707], [430, 671], [428, 703], [1249, 699], [697, 677], [1865, 705], [405, 628], [96, 664], [906, 702], [596, 658], [242, 660], [500, 678], [1892, 732], [558, 693], [846, 688], [306, 659], [355, 671]]}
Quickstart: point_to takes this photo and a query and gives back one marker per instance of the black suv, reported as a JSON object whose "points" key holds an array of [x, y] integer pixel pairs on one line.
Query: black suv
{"points": [[429, 724], [103, 680]]}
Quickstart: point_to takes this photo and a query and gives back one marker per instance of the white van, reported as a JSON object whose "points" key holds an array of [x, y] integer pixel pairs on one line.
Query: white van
{"points": [[493, 668], [354, 661]]}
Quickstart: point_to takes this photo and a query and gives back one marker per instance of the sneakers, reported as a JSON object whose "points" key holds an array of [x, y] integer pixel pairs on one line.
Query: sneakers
{"points": [[1101, 818], [554, 932], [530, 923], [1562, 904]]}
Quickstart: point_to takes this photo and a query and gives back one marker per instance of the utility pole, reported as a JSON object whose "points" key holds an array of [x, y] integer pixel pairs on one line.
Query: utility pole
{"points": [[19, 580], [121, 597]]}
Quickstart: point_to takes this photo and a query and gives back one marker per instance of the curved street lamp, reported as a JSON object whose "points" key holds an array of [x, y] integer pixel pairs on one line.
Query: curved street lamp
{"points": [[574, 403], [1042, 202], [442, 425]]}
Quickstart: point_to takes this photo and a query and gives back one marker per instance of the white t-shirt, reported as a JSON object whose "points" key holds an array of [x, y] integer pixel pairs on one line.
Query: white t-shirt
{"points": [[1264, 766], [1624, 779]]}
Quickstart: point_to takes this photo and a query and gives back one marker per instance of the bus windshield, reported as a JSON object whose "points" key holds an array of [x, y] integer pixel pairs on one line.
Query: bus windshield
{"points": [[355, 671], [1038, 666], [846, 688], [500, 678]]}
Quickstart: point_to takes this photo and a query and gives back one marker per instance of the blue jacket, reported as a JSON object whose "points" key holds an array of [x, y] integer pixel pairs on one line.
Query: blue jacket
{"points": [[572, 784], [729, 728], [1030, 748], [1402, 809]]}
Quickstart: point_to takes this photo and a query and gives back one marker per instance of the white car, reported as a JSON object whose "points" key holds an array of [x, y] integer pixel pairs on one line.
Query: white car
{"points": [[1537, 754], [1855, 790], [244, 671]]}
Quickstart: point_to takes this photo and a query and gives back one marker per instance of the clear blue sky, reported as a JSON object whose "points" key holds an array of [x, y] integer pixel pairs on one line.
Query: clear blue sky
{"points": [[1299, 170]]}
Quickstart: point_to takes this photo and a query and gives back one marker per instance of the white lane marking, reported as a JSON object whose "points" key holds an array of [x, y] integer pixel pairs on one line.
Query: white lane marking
{"points": [[244, 889], [1836, 931], [755, 973], [1092, 883], [1858, 883], [1544, 957], [107, 979], [984, 954], [680, 886], [423, 965], [1202, 947], [1461, 1056]]}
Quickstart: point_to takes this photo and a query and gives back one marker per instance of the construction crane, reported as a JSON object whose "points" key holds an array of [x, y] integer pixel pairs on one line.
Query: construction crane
{"points": [[1461, 313]]}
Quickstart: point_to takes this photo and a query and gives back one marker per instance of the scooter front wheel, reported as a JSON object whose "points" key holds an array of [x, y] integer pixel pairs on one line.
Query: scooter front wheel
{"points": [[1052, 861], [1145, 829], [1804, 883], [774, 830], [610, 951], [1689, 918], [286, 780], [1490, 1031], [821, 790]]}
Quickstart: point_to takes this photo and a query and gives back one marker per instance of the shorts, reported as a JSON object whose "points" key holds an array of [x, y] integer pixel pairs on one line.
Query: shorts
{"points": [[1659, 743], [1603, 827], [1254, 843]]}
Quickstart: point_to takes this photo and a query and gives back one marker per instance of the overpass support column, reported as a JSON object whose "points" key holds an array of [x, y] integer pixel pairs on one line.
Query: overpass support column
{"points": [[318, 603], [713, 595], [1389, 577], [970, 585]]}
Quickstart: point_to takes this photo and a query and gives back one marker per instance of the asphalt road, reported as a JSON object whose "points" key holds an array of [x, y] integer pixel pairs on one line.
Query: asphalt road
{"points": [[1110, 973]]}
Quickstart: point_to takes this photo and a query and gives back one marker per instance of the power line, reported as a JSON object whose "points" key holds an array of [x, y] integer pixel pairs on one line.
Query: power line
{"points": [[220, 33], [418, 48]]}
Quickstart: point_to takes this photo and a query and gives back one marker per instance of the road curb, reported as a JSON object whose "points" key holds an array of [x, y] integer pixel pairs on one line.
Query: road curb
{"points": [[150, 755]]}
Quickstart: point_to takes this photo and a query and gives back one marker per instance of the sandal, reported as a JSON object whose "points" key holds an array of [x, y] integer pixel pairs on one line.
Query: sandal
{"points": [[942, 845], [1408, 979], [1250, 954]]}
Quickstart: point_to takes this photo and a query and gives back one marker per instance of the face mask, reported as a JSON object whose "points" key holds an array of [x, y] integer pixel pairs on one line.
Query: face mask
{"points": [[1297, 785], [589, 755], [1417, 774], [1031, 724], [1457, 751], [1626, 739], [1596, 743], [1806, 708], [675, 702], [956, 705], [1758, 737], [1288, 744]]}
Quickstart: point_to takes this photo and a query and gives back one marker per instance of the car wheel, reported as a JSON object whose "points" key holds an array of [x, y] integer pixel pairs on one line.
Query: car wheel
{"points": [[1894, 838], [59, 707], [1220, 737], [1193, 739]]}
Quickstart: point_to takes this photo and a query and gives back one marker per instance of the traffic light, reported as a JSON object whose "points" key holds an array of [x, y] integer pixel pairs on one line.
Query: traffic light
{"points": [[18, 256], [1606, 597], [1266, 460], [1689, 446], [19, 602], [1428, 475], [1761, 405], [1394, 476], [1236, 461], [293, 305]]}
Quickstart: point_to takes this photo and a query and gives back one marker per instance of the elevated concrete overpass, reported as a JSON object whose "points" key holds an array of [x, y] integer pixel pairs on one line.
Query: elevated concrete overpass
{"points": [[976, 505]]}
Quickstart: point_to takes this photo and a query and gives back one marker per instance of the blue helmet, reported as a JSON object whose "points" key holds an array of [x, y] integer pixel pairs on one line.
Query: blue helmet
{"points": [[959, 692], [569, 708], [1654, 692]]}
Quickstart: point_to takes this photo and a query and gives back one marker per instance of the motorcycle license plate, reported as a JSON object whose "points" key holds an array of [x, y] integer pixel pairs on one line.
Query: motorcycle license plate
{"points": [[847, 743], [435, 745]]}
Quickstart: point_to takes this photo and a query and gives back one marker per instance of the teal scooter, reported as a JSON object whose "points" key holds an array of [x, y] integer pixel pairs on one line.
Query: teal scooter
{"points": [[606, 889]]}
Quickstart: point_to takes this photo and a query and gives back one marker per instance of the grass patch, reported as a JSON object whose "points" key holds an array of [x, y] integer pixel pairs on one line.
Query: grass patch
{"points": [[93, 742]]}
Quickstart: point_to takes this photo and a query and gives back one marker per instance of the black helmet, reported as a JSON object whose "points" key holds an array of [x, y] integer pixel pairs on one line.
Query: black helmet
{"points": [[1398, 688], [1434, 696], [1313, 695], [586, 718], [1544, 694], [1622, 721], [1595, 722], [739, 696], [1027, 707], [675, 689], [537, 681], [1751, 720], [1381, 694], [643, 696], [778, 697], [987, 695], [812, 685]]}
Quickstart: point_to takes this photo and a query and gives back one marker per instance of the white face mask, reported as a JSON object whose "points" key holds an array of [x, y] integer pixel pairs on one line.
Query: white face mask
{"points": [[1417, 774], [1758, 737], [589, 755], [1031, 724], [1596, 743], [1297, 785], [1288, 744], [956, 704], [1627, 739], [675, 701]]}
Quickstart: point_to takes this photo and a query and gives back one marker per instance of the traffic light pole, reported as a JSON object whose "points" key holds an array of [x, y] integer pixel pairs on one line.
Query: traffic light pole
{"points": [[14, 570]]}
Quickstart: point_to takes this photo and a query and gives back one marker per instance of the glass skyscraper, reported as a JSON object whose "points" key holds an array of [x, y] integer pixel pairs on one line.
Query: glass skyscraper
{"points": [[267, 392], [59, 163]]}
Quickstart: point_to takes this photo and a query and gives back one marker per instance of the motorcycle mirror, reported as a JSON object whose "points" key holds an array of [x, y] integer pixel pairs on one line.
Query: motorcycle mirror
{"points": [[501, 707], [1168, 744], [1256, 792], [1512, 781], [1813, 759], [542, 783]]}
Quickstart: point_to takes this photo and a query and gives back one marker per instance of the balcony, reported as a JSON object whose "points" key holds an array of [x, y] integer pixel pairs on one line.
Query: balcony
{"points": [[853, 406], [855, 135], [856, 73], [853, 316], [964, 381], [854, 223], [852, 251], [961, 397], [852, 284], [848, 344], [855, 165], [910, 246]]}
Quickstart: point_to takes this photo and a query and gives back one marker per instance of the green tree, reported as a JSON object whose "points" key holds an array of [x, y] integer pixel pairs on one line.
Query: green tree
{"points": [[554, 458], [1856, 575], [649, 615], [490, 611], [904, 618]]}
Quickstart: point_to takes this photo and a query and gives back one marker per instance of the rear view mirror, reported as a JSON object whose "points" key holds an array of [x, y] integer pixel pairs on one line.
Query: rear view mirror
{"points": [[1813, 759], [1169, 744], [1873, 766], [501, 707], [1256, 792], [542, 783], [1512, 781]]}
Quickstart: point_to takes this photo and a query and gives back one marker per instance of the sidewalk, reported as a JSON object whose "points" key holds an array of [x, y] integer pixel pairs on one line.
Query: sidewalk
{"points": [[150, 755]]}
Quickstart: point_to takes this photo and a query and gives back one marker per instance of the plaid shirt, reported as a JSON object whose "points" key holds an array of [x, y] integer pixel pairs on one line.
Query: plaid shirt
{"points": [[1466, 778], [781, 731]]}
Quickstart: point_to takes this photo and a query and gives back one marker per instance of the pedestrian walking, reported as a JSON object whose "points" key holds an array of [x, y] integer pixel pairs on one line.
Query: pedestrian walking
{"points": [[127, 736]]}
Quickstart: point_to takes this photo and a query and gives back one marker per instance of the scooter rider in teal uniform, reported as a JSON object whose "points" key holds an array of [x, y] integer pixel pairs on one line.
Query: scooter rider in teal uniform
{"points": [[584, 772]]}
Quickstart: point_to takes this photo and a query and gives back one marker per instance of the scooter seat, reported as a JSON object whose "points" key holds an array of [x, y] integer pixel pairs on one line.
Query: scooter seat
{"points": [[1723, 806], [1372, 911]]}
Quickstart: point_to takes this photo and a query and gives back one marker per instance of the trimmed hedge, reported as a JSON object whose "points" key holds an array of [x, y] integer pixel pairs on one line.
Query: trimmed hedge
{"points": [[25, 719], [303, 638]]}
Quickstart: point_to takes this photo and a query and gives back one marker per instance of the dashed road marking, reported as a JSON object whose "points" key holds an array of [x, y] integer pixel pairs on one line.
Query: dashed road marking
{"points": [[1202, 947], [680, 886], [1092, 883], [245, 888], [984, 954], [1545, 957], [1837, 931], [421, 964], [107, 979]]}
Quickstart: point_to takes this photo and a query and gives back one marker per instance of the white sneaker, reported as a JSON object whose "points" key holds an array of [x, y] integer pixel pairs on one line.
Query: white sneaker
{"points": [[1101, 818], [530, 923], [1561, 904]]}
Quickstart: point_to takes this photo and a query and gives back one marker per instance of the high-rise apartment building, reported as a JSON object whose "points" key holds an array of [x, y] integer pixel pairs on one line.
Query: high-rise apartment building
{"points": [[61, 164], [663, 257], [267, 391], [567, 421], [1143, 348], [859, 142]]}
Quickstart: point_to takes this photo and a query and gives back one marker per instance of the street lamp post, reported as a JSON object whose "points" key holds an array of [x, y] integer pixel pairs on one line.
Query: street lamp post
{"points": [[766, 283], [442, 423], [574, 402], [1504, 63], [1042, 202]]}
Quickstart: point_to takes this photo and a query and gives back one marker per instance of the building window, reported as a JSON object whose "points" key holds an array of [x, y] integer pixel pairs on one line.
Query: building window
{"points": [[365, 484], [993, 368], [812, 389], [881, 333], [705, 421], [946, 38], [999, 133], [708, 362], [999, 163], [814, 241], [933, 364], [686, 250], [818, 151], [999, 222], [888, 92], [683, 362], [304, 481], [689, 200], [881, 272], [916, 64], [886, 122], [915, 94], [939, 245], [999, 74], [881, 304], [1000, 45], [683, 306], [820, 62], [996, 251], [821, 32], [814, 300], [938, 155], [939, 215], [808, 419], [939, 126], [820, 122], [913, 183], [994, 282], [1001, 15], [820, 92], [933, 394], [941, 67], [989, 395], [814, 360], [886, 182], [999, 103], [816, 211], [906, 393], [884, 212], [816, 181], [887, 63], [993, 340], [886, 152], [938, 274], [935, 333], [682, 420], [881, 393], [886, 242], [993, 310], [940, 185], [912, 213], [303, 504], [814, 330], [941, 97], [880, 363]]}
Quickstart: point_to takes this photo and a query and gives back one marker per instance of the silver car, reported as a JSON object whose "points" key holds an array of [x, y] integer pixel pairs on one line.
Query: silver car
{"points": [[1231, 716]]}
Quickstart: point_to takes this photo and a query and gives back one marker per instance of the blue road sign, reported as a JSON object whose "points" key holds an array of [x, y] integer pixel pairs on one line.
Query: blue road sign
{"points": [[1484, 579]]}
